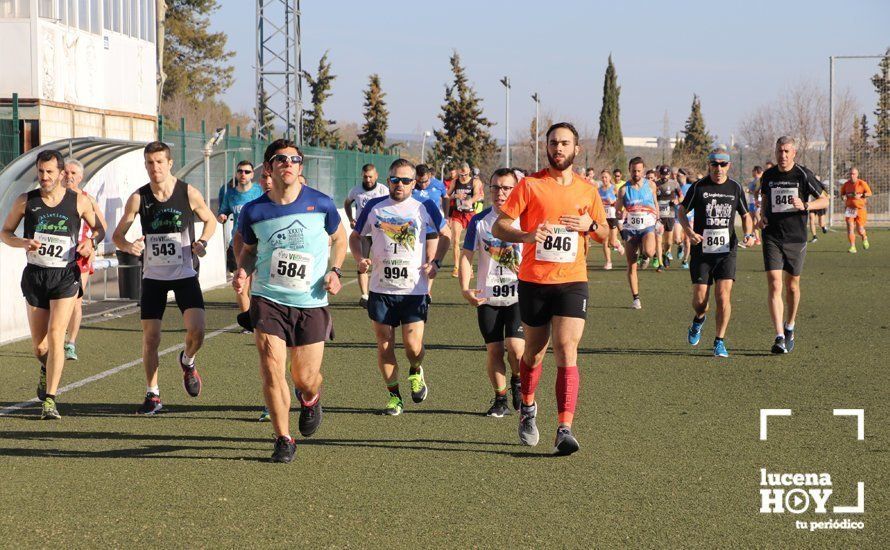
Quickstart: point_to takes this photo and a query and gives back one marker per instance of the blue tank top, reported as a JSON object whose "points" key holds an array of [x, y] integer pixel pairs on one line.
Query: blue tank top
{"points": [[638, 198]]}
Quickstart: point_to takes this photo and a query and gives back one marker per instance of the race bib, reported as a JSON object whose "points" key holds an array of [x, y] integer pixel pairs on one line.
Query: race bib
{"points": [[291, 269], [561, 246], [397, 274], [163, 249], [715, 241], [637, 221], [610, 212], [54, 251], [851, 212], [500, 285], [664, 209], [237, 209], [783, 199]]}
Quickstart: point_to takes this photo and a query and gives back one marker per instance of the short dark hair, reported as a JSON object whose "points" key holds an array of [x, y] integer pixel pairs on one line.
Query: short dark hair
{"points": [[636, 160], [422, 170], [157, 147], [503, 172], [245, 162], [758, 168], [278, 145], [48, 155], [368, 167], [401, 163], [567, 125]]}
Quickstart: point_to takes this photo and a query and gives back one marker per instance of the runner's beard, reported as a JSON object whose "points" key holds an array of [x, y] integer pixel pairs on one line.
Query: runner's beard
{"points": [[570, 159]]}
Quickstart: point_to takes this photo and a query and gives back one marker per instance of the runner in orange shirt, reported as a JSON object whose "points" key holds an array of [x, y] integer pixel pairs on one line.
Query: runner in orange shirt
{"points": [[854, 192], [557, 210]]}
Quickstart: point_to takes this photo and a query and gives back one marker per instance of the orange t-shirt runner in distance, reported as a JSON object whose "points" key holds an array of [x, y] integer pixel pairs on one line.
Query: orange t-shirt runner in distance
{"points": [[538, 199]]}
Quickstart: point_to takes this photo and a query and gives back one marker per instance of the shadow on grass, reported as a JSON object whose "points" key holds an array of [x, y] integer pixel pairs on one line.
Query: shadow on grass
{"points": [[126, 410]]}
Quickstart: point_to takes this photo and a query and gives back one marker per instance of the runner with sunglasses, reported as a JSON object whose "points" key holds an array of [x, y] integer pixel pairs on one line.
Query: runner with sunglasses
{"points": [[233, 200], [714, 202], [408, 241], [291, 235], [495, 296]]}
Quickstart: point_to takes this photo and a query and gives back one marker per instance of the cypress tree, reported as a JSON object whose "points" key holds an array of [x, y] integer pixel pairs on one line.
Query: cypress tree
{"points": [[610, 141], [881, 82], [316, 129]]}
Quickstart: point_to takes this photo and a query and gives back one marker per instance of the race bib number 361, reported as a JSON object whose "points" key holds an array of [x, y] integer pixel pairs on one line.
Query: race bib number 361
{"points": [[291, 269], [561, 246]]}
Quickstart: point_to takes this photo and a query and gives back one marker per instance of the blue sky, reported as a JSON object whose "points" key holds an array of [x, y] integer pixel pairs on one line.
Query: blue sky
{"points": [[735, 56]]}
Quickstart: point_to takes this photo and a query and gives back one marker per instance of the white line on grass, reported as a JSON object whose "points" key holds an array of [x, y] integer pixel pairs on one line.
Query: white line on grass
{"points": [[107, 373]]}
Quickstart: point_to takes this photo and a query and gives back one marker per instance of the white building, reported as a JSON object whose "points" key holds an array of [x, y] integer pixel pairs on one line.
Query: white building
{"points": [[80, 68]]}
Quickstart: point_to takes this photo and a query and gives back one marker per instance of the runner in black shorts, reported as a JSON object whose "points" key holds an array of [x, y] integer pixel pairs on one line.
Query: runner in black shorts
{"points": [[496, 295], [714, 202], [669, 196], [788, 192], [167, 208], [51, 280]]}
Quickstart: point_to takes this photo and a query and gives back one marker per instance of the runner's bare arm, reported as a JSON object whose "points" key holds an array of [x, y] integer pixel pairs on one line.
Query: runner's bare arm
{"points": [[88, 215], [16, 213], [199, 207], [338, 253], [355, 246], [246, 266], [119, 237], [100, 217], [478, 193], [684, 222], [347, 206], [465, 273], [503, 229]]}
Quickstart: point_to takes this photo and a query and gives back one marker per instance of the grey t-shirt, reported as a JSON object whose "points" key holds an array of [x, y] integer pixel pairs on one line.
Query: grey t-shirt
{"points": [[667, 193]]}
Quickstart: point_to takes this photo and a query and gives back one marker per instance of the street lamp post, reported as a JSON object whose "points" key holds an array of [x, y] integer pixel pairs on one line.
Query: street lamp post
{"points": [[426, 134], [537, 99], [506, 82], [442, 169], [208, 149]]}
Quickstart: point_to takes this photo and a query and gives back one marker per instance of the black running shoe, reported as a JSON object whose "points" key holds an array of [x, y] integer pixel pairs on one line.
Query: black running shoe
{"points": [[285, 447], [499, 407], [789, 340], [779, 345], [566, 443], [151, 405], [363, 303], [310, 418], [191, 380], [516, 392]]}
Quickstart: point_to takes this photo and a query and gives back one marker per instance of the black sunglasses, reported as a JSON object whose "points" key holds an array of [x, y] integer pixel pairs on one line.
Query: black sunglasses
{"points": [[720, 164], [294, 159], [245, 171], [404, 181]]}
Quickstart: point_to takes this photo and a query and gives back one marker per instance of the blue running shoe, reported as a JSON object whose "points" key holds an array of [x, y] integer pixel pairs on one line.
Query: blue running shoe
{"points": [[720, 349], [789, 340], [694, 335]]}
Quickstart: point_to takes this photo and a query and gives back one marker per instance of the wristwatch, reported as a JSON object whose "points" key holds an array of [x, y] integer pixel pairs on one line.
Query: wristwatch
{"points": [[203, 242], [337, 272], [437, 263], [593, 227]]}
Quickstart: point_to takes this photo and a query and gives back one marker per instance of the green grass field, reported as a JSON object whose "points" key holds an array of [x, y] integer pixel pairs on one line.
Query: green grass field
{"points": [[670, 452]]}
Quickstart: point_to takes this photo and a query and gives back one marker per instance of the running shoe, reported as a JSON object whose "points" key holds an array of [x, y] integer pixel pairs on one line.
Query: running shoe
{"points": [[285, 447], [865, 244], [789, 340], [667, 261], [660, 269], [41, 384], [454, 272], [645, 263], [49, 411], [824, 230], [419, 389], [608, 266], [694, 334], [363, 303], [528, 429], [621, 249], [720, 349], [151, 405], [680, 252], [516, 392], [668, 257], [636, 304], [852, 249], [815, 239], [265, 416], [655, 263], [310, 418], [498, 407], [566, 443], [394, 406], [70, 352], [779, 345], [685, 264], [191, 380]]}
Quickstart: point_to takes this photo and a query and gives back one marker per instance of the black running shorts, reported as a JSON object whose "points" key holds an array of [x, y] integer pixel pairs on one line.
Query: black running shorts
{"points": [[296, 326], [787, 257], [499, 322], [668, 223], [539, 303], [154, 296], [42, 284], [704, 269]]}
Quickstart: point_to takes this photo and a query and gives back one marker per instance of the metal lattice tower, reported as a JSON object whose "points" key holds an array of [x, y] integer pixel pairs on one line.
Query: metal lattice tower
{"points": [[279, 68]]}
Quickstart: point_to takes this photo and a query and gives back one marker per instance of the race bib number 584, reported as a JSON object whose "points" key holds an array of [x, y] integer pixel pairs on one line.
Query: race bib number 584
{"points": [[291, 269]]}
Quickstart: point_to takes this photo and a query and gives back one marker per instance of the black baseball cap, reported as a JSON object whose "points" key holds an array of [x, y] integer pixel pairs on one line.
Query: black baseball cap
{"points": [[665, 171]]}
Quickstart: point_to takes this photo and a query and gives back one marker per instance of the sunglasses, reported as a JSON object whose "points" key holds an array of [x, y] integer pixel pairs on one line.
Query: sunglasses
{"points": [[245, 171], [403, 181], [499, 188], [293, 159], [720, 164]]}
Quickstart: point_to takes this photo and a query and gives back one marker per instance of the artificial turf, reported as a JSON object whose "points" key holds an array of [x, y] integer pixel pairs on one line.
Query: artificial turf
{"points": [[670, 455]]}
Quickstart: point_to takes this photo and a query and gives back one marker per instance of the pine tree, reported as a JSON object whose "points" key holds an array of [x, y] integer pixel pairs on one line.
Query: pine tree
{"points": [[881, 82], [859, 141], [373, 134], [465, 134], [610, 141], [265, 119], [696, 139], [194, 59], [678, 157], [316, 128]]}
